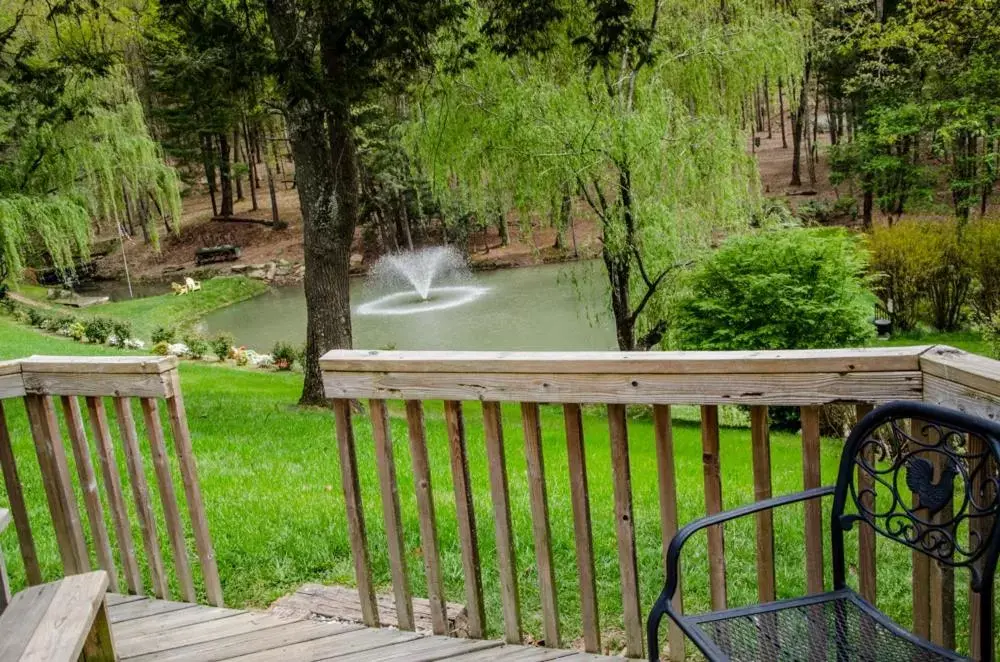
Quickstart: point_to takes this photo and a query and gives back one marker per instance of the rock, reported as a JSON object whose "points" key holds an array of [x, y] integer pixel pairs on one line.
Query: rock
{"points": [[173, 270], [271, 270], [257, 274], [284, 263], [283, 271], [240, 268], [258, 266]]}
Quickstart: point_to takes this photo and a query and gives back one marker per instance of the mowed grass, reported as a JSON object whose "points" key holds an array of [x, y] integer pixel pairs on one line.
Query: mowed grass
{"points": [[166, 310], [271, 481]]}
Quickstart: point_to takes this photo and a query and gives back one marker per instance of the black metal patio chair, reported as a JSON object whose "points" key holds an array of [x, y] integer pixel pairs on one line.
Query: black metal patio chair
{"points": [[841, 625]]}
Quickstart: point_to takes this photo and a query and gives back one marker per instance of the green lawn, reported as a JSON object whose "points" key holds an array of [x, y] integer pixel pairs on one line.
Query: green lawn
{"points": [[167, 310], [270, 478]]}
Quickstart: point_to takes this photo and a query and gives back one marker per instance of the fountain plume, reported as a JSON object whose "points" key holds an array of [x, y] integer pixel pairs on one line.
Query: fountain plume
{"points": [[420, 268]]}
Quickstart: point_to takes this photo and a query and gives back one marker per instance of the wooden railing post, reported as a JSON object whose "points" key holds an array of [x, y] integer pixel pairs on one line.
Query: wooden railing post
{"points": [[667, 484], [713, 504], [761, 444], [812, 478], [625, 528], [867, 585], [921, 577], [18, 510]]}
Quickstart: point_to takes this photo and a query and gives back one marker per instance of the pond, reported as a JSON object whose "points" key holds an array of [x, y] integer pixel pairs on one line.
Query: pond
{"points": [[549, 307]]}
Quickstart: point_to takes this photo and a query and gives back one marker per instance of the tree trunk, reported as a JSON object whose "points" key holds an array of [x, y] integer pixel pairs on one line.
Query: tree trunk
{"points": [[225, 176], [273, 194], [767, 105], [813, 144], [209, 161], [404, 218], [781, 114], [237, 159], [252, 164], [800, 119], [868, 202], [502, 227]]}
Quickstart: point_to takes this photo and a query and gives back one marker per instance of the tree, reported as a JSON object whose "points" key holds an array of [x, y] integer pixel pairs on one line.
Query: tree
{"points": [[75, 147], [632, 105], [331, 56]]}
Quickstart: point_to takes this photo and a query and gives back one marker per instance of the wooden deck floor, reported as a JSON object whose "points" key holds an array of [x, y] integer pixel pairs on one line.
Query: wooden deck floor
{"points": [[148, 630]]}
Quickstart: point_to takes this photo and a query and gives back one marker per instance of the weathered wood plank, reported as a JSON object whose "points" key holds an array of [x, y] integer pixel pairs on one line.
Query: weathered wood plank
{"points": [[116, 385], [715, 389], [667, 484], [141, 628], [963, 398], [389, 493], [65, 625], [15, 500], [811, 478], [88, 485], [122, 613], [115, 599], [866, 534], [192, 491], [425, 510], [978, 530], [355, 510], [502, 525], [342, 646], [168, 498], [55, 479], [11, 386], [713, 504], [760, 439], [921, 565], [116, 497], [197, 632], [942, 579], [100, 365], [8, 368], [970, 370], [5, 594], [140, 493], [541, 531], [20, 620], [466, 518], [621, 476], [880, 359], [99, 646], [582, 530], [423, 649]]}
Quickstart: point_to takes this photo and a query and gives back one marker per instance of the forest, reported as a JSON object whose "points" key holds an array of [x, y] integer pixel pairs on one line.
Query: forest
{"points": [[410, 123]]}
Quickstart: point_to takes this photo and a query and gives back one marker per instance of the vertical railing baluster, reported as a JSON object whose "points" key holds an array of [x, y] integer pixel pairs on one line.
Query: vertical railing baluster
{"points": [[867, 584], [116, 497], [667, 484], [88, 485], [761, 446], [503, 526], [582, 530], [465, 515], [55, 479], [540, 522], [812, 478], [355, 511], [942, 580], [386, 464], [15, 501], [625, 528], [140, 492], [192, 490], [425, 510], [979, 529], [168, 497], [713, 504]]}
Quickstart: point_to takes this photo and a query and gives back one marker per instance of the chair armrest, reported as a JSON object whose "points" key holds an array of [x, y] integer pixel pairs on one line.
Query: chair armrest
{"points": [[674, 552], [4, 519]]}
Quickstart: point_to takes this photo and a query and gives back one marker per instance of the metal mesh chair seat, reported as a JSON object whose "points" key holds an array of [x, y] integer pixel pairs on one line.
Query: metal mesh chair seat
{"points": [[835, 627]]}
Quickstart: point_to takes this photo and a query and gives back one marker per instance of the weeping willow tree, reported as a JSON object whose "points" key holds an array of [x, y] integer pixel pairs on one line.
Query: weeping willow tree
{"points": [[75, 152], [633, 106]]}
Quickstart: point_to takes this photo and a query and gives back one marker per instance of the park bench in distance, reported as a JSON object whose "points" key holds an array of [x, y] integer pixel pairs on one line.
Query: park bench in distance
{"points": [[64, 621], [227, 253]]}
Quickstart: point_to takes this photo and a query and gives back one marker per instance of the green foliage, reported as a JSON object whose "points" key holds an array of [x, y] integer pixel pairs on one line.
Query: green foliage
{"points": [[196, 344], [222, 345], [77, 331], [284, 355], [829, 212], [122, 331], [37, 317], [161, 348], [981, 249], [98, 329], [162, 334], [918, 265], [786, 289]]}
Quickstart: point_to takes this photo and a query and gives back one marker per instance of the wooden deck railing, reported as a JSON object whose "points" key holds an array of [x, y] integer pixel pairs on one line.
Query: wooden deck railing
{"points": [[48, 385], [805, 379]]}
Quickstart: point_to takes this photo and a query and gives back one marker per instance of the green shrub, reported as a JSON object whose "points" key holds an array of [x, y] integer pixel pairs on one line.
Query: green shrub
{"points": [[196, 344], [77, 331], [123, 331], [222, 345], [161, 348], [788, 289], [37, 317], [828, 212], [7, 305], [284, 355], [98, 329], [982, 248], [164, 334], [799, 288], [922, 265]]}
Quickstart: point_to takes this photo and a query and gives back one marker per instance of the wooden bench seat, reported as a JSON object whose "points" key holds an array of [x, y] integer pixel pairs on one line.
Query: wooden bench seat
{"points": [[62, 621]]}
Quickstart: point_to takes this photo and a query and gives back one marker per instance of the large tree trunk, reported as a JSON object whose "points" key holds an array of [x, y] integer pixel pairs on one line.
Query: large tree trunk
{"points": [[800, 119], [225, 176], [209, 163], [781, 114], [237, 159], [252, 163]]}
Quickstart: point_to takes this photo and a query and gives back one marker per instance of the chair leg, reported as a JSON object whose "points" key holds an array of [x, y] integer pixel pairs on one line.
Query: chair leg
{"points": [[100, 645]]}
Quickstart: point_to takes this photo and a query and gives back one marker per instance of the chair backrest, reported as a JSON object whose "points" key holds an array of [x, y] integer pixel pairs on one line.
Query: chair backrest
{"points": [[928, 478]]}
